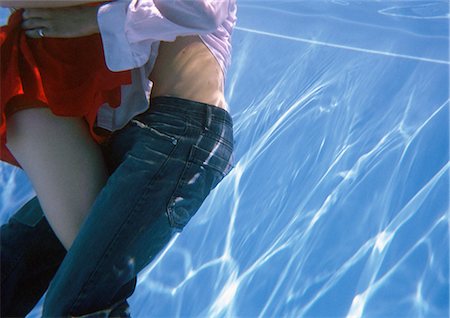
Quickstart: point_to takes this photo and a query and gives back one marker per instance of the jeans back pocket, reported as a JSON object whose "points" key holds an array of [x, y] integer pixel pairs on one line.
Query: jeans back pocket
{"points": [[202, 172]]}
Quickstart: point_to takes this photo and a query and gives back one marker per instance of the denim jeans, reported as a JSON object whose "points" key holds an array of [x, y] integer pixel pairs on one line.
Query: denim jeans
{"points": [[163, 165]]}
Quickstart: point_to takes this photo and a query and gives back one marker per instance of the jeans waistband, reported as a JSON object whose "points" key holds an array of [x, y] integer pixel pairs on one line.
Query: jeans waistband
{"points": [[190, 109]]}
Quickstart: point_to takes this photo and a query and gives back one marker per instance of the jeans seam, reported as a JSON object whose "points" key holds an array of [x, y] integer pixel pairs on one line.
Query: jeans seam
{"points": [[122, 226], [180, 183], [150, 128], [220, 139]]}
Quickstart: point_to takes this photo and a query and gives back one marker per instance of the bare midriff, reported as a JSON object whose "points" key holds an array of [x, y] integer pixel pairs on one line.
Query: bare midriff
{"points": [[187, 69]]}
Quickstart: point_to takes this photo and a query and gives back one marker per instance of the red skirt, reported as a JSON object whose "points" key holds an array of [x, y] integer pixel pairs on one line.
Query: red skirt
{"points": [[69, 76]]}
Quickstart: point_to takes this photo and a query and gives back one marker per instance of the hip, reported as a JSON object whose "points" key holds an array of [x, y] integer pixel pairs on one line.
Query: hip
{"points": [[182, 149]]}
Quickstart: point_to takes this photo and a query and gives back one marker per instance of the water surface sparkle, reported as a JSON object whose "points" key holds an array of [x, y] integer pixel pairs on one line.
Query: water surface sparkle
{"points": [[339, 202]]}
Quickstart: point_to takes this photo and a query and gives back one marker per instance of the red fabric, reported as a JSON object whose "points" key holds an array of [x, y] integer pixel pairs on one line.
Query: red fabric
{"points": [[67, 75]]}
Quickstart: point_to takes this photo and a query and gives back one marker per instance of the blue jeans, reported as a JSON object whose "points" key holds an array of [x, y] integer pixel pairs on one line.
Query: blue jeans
{"points": [[163, 165]]}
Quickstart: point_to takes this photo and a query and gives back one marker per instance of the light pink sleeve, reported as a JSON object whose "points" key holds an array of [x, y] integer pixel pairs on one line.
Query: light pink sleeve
{"points": [[129, 28]]}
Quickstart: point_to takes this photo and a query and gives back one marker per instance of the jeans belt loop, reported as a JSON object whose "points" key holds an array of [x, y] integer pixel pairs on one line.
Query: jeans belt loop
{"points": [[208, 118]]}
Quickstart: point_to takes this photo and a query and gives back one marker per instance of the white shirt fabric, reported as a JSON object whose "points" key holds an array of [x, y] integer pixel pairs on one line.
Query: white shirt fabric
{"points": [[131, 32]]}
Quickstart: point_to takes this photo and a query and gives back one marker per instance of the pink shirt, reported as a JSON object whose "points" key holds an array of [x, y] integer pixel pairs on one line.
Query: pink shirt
{"points": [[131, 31]]}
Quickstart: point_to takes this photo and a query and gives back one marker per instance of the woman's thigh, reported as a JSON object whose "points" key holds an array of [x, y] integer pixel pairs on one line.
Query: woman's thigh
{"points": [[64, 165], [165, 169]]}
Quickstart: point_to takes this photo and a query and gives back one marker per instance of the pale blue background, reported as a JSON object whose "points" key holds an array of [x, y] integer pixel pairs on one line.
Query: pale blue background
{"points": [[339, 202]]}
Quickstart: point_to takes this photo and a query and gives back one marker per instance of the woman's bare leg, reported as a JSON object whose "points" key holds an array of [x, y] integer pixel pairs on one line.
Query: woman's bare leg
{"points": [[64, 165]]}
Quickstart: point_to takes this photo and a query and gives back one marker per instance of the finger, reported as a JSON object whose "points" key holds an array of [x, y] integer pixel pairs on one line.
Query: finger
{"points": [[35, 13], [34, 23], [37, 33]]}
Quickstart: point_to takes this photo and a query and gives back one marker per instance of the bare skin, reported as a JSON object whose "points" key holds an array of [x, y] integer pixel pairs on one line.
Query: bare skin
{"points": [[184, 68], [63, 163]]}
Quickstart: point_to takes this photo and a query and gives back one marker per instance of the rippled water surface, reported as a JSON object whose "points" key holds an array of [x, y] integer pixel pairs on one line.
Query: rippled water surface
{"points": [[339, 202]]}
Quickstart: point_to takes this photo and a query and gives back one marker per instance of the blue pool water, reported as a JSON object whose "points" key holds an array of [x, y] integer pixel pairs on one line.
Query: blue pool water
{"points": [[339, 202]]}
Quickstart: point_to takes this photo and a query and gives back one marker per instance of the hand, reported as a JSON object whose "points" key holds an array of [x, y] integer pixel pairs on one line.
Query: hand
{"points": [[70, 22]]}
